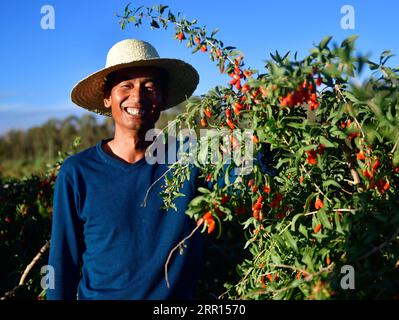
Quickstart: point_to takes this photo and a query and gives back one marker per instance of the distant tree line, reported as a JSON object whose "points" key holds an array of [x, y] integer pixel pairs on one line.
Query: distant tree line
{"points": [[24, 151], [53, 136]]}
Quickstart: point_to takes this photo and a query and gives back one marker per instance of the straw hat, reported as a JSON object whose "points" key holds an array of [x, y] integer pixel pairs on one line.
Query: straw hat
{"points": [[182, 77]]}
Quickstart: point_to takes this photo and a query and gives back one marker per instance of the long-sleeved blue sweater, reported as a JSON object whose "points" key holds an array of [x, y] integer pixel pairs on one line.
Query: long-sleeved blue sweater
{"points": [[105, 245]]}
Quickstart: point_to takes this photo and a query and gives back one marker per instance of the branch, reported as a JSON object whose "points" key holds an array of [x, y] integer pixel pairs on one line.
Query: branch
{"points": [[317, 187], [304, 169], [35, 259], [144, 204], [338, 89], [395, 146], [355, 175], [174, 249]]}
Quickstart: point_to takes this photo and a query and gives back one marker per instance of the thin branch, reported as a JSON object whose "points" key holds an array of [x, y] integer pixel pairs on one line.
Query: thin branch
{"points": [[350, 181], [317, 187], [33, 262], [144, 204], [395, 146], [350, 193], [352, 169], [338, 89], [174, 249], [304, 169]]}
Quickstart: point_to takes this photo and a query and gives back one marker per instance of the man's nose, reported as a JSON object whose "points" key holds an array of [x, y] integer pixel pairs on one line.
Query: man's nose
{"points": [[137, 94]]}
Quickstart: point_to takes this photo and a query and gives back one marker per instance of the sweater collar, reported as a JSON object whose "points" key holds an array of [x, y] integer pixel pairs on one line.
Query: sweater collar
{"points": [[115, 161]]}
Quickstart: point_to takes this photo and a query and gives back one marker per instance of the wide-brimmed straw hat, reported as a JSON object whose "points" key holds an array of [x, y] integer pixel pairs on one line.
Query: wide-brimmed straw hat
{"points": [[182, 77]]}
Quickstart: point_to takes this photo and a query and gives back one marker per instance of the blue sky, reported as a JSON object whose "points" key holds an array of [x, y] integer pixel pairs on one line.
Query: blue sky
{"points": [[39, 67]]}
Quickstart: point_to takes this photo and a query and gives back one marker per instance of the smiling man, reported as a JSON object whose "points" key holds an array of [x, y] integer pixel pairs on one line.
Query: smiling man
{"points": [[104, 243]]}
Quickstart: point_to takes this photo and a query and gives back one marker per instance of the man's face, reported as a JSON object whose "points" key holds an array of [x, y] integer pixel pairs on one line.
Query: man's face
{"points": [[136, 98]]}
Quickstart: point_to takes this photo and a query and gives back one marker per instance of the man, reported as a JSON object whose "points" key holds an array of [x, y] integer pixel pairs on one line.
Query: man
{"points": [[104, 243]]}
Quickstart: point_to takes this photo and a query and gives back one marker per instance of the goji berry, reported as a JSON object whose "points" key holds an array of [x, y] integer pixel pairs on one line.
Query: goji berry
{"points": [[317, 228]]}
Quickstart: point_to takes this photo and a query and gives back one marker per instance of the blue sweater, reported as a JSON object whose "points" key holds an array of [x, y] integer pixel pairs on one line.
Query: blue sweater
{"points": [[104, 245]]}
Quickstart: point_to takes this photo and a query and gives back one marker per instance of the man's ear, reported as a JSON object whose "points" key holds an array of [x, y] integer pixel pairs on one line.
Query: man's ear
{"points": [[107, 101]]}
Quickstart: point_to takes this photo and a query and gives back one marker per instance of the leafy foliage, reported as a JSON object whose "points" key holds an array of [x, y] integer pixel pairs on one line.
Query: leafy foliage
{"points": [[330, 198], [25, 224]]}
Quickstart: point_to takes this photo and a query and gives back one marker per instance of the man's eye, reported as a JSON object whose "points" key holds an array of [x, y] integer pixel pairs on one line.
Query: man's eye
{"points": [[150, 88]]}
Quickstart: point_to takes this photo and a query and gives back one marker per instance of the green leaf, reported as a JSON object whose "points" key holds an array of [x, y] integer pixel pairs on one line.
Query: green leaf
{"points": [[290, 240], [308, 202], [275, 257], [214, 32], [204, 190], [296, 125], [282, 161], [349, 41], [307, 259], [310, 147], [154, 24], [323, 43], [303, 230], [331, 182], [197, 201], [323, 140], [132, 19], [279, 240], [322, 216], [178, 194], [162, 8], [294, 219], [171, 17]]}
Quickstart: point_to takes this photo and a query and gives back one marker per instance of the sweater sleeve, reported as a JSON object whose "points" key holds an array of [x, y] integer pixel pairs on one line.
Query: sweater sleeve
{"points": [[66, 240]]}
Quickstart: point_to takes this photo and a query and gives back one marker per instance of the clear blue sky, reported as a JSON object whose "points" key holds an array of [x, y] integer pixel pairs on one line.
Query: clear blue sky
{"points": [[39, 67]]}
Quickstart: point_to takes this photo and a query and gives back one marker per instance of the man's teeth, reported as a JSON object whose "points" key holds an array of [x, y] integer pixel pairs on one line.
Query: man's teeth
{"points": [[135, 111]]}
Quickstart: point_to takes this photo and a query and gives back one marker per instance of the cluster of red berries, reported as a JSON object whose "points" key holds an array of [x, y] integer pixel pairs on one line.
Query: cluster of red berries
{"points": [[312, 154], [304, 93]]}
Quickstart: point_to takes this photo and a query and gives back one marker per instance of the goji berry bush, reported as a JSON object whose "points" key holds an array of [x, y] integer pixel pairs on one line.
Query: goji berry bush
{"points": [[322, 192], [25, 227]]}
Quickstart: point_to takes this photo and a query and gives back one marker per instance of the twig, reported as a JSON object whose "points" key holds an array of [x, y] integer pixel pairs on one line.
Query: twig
{"points": [[350, 181], [350, 193], [395, 146], [174, 249], [35, 259], [338, 89], [144, 204], [304, 169], [317, 187], [352, 169]]}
